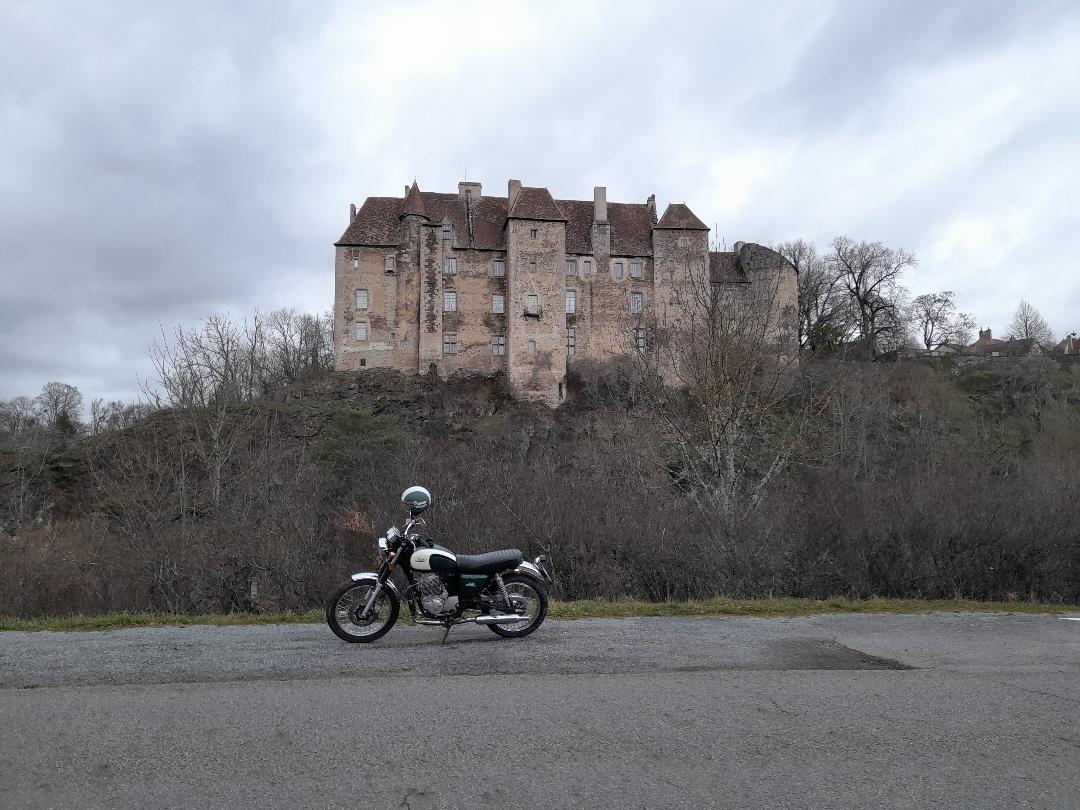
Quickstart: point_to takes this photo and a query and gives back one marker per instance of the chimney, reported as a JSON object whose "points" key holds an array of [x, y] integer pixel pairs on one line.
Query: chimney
{"points": [[599, 198], [651, 203], [513, 188], [985, 333], [467, 189], [352, 212]]}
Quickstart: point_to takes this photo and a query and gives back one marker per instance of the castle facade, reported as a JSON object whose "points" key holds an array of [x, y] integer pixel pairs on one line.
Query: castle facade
{"points": [[523, 284]]}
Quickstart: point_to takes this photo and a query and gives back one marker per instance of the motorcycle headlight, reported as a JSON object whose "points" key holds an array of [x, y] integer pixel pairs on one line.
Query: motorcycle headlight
{"points": [[381, 545]]}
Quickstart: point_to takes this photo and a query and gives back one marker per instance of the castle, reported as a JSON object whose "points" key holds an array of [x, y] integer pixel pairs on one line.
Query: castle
{"points": [[523, 284]]}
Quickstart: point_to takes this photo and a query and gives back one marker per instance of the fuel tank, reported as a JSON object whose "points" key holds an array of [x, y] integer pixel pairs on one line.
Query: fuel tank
{"points": [[438, 559]]}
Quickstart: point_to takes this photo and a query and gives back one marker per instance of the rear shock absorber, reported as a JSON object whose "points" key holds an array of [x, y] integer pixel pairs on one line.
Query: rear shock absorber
{"points": [[502, 592]]}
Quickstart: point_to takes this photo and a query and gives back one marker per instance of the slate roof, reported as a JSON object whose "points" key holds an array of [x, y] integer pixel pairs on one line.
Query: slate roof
{"points": [[631, 229], [579, 216], [679, 216], [724, 268], [377, 221], [536, 203]]}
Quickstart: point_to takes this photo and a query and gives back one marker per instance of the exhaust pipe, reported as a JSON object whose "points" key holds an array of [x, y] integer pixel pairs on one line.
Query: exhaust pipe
{"points": [[508, 618]]}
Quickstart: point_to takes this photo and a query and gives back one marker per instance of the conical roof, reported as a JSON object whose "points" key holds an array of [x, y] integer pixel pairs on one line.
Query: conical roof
{"points": [[414, 203]]}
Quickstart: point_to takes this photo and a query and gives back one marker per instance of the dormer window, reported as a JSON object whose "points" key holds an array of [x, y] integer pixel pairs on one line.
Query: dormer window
{"points": [[446, 232]]}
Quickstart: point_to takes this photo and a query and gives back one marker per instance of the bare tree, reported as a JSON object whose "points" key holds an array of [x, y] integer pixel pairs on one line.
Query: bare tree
{"points": [[297, 345], [935, 317], [17, 415], [60, 407], [825, 316], [714, 383], [870, 273], [1028, 324], [115, 415]]}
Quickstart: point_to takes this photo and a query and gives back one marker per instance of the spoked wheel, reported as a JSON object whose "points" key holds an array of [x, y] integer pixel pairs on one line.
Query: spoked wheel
{"points": [[527, 598], [345, 606]]}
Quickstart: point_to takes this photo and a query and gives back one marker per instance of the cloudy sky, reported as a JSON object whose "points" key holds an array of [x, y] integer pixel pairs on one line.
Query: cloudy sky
{"points": [[163, 161]]}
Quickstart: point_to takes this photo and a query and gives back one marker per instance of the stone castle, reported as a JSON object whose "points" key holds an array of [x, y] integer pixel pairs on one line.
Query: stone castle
{"points": [[523, 284]]}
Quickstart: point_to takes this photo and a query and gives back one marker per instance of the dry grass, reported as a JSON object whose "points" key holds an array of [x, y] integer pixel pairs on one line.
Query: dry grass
{"points": [[715, 608]]}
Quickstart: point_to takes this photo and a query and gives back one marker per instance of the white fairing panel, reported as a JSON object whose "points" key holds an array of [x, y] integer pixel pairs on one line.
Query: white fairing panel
{"points": [[421, 558]]}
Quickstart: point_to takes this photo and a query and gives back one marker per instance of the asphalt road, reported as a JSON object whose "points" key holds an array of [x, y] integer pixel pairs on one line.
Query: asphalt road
{"points": [[977, 711]]}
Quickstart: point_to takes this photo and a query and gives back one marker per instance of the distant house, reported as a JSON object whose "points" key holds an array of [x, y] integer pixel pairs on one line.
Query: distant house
{"points": [[1070, 345], [989, 346]]}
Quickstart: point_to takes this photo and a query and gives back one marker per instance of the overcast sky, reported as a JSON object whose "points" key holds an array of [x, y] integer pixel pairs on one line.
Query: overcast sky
{"points": [[163, 161]]}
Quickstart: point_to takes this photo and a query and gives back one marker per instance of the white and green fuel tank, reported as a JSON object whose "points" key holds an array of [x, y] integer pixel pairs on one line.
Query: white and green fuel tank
{"points": [[436, 558]]}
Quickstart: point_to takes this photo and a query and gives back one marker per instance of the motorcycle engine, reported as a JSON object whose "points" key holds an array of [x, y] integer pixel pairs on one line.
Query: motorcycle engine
{"points": [[433, 594]]}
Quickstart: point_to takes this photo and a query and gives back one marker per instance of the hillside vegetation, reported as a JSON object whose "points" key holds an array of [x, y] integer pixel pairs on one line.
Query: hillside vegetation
{"points": [[912, 480]]}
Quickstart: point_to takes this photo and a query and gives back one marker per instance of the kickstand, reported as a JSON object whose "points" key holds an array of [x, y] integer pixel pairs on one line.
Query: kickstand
{"points": [[448, 626]]}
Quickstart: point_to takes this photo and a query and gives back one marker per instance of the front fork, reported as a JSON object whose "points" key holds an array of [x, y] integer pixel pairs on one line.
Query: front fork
{"points": [[380, 582]]}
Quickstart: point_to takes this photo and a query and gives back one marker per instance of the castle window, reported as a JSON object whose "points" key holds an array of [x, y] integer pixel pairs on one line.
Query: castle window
{"points": [[532, 348], [639, 339], [571, 341], [361, 331], [363, 362], [449, 302], [449, 343], [498, 268], [449, 265], [587, 268], [532, 267], [675, 295], [532, 305], [618, 270], [635, 269], [498, 345], [684, 241], [362, 301], [571, 302], [534, 232], [389, 265], [356, 264], [571, 267], [635, 303], [498, 303]]}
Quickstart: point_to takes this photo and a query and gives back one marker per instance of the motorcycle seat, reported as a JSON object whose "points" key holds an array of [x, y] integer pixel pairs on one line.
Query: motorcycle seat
{"points": [[493, 562]]}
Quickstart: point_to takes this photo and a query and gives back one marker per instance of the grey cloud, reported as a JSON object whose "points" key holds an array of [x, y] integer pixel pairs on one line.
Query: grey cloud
{"points": [[165, 161]]}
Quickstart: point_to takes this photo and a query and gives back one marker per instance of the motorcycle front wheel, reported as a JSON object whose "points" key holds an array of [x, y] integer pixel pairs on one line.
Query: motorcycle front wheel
{"points": [[344, 607], [527, 598]]}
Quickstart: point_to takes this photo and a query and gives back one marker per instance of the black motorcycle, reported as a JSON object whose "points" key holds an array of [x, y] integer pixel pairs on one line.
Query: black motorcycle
{"points": [[497, 589]]}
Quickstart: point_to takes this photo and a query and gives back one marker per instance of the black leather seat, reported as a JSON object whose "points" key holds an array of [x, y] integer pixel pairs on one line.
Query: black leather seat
{"points": [[493, 562]]}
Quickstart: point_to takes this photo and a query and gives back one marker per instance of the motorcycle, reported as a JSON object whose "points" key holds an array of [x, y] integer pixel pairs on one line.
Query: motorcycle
{"points": [[499, 589]]}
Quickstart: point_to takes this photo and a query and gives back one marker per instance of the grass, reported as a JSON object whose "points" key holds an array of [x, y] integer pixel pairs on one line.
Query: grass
{"points": [[587, 609]]}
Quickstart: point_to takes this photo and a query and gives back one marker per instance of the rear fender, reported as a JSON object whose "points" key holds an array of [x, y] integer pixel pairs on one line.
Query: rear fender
{"points": [[530, 570]]}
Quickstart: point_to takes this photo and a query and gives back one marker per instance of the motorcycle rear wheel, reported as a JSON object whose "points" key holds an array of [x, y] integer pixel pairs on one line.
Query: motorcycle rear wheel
{"points": [[520, 587], [344, 606]]}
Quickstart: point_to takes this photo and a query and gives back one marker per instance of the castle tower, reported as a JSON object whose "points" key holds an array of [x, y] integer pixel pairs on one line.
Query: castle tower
{"points": [[536, 256]]}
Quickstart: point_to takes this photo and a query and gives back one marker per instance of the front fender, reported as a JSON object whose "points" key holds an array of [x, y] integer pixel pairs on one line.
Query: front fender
{"points": [[368, 575]]}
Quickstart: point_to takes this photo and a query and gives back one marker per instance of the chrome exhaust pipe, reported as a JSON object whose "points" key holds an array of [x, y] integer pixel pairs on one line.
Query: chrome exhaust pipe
{"points": [[508, 618]]}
